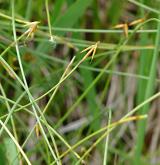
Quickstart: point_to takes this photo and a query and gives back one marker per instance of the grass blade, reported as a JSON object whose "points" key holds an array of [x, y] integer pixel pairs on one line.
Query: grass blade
{"points": [[148, 93]]}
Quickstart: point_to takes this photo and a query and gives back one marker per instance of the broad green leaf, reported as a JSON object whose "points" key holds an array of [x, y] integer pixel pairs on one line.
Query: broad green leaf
{"points": [[11, 152]]}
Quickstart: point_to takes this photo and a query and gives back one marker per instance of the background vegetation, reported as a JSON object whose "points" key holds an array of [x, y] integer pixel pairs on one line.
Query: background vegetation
{"points": [[79, 82]]}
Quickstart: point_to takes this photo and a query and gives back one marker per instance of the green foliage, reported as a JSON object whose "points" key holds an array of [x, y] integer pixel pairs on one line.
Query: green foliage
{"points": [[59, 85]]}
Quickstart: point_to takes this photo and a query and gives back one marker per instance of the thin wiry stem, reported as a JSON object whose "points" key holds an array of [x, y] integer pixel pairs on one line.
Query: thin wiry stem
{"points": [[26, 85]]}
